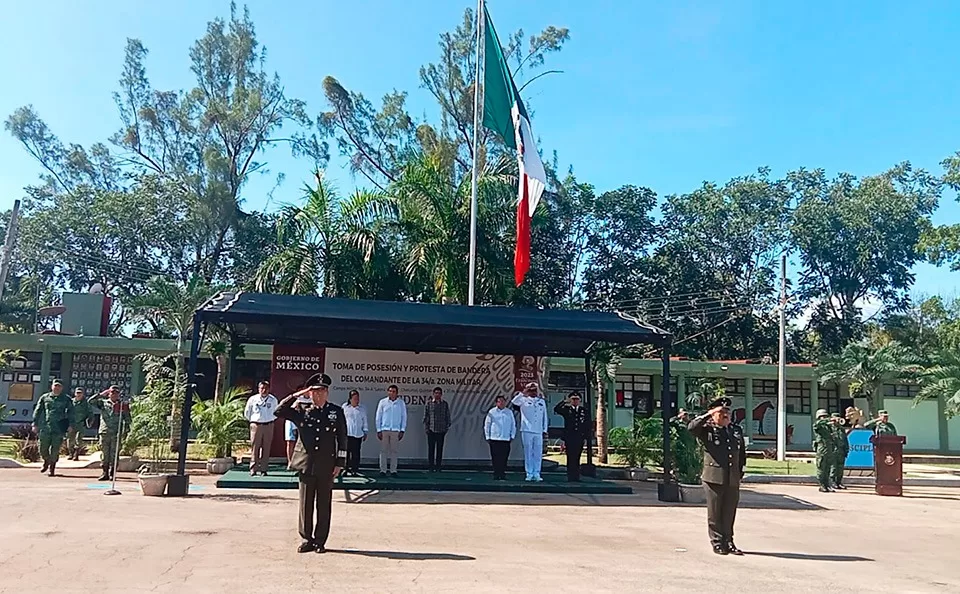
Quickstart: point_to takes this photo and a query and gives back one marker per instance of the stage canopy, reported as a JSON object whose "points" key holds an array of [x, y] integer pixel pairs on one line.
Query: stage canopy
{"points": [[421, 327]]}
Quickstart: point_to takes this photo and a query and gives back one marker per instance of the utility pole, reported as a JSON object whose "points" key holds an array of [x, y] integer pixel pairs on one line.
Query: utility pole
{"points": [[8, 245], [782, 367]]}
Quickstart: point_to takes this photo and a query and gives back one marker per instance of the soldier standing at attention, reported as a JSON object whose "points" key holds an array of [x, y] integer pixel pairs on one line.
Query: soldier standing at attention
{"points": [[112, 411], [825, 445], [575, 432], [724, 458], [881, 425], [51, 419], [318, 457], [79, 413], [843, 448]]}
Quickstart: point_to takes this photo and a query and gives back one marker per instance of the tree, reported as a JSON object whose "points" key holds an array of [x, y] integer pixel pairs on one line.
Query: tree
{"points": [[604, 361], [332, 246], [942, 380], [858, 238], [941, 244], [205, 143], [866, 367]]}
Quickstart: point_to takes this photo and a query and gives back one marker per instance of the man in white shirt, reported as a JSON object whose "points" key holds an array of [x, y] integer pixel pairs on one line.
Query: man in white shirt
{"points": [[499, 429], [261, 412], [357, 426], [391, 423], [533, 428]]}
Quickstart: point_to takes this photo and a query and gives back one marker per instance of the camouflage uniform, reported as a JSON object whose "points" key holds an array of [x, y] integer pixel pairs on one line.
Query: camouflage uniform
{"points": [[825, 445], [79, 412], [843, 448], [51, 416], [109, 433], [881, 427]]}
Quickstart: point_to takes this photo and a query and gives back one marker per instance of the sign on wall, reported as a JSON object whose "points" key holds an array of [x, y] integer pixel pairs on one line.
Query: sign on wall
{"points": [[861, 450], [290, 367]]}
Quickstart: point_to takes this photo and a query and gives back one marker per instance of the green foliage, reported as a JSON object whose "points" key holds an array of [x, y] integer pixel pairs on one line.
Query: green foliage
{"points": [[705, 391], [221, 423], [150, 411], [638, 444], [27, 450], [687, 455], [942, 380], [866, 367]]}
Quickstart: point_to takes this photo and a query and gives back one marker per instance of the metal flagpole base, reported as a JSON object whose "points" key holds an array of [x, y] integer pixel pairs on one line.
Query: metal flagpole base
{"points": [[112, 492]]}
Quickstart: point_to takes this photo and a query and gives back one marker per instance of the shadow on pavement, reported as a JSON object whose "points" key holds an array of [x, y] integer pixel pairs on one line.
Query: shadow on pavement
{"points": [[806, 557], [239, 497], [402, 556], [644, 496]]}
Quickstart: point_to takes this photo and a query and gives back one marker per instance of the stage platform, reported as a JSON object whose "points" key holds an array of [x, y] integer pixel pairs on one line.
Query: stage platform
{"points": [[421, 480]]}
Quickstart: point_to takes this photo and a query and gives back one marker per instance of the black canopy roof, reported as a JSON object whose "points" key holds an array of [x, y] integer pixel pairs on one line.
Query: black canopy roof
{"points": [[422, 327]]}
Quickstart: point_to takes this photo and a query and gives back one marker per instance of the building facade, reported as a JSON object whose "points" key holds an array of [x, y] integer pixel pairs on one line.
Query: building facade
{"points": [[95, 362]]}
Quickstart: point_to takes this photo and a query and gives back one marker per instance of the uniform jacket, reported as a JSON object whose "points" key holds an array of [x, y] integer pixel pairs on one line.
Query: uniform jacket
{"points": [[110, 413], [52, 413], [840, 436], [724, 452], [321, 437], [575, 421], [79, 413], [880, 428], [824, 437], [533, 413]]}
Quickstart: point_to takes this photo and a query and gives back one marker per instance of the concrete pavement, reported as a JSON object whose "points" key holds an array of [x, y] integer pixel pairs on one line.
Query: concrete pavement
{"points": [[62, 534]]}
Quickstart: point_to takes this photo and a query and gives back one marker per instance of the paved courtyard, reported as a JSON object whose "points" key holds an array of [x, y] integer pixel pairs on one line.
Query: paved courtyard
{"points": [[63, 535]]}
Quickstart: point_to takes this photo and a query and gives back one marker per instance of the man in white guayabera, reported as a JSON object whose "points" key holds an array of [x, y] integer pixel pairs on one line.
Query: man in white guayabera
{"points": [[533, 428], [391, 423]]}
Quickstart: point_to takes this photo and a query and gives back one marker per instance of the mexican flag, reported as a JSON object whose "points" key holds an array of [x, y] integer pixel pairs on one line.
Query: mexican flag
{"points": [[505, 114]]}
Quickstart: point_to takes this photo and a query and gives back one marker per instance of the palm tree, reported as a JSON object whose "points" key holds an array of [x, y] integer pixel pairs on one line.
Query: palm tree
{"points": [[942, 380], [331, 246], [434, 226], [604, 362], [866, 366]]}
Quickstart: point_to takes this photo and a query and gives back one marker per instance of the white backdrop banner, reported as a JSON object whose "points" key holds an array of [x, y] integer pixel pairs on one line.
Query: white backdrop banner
{"points": [[470, 383]]}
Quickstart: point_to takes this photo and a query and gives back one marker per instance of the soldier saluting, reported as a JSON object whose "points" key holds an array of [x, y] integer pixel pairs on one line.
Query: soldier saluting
{"points": [[318, 457], [724, 457]]}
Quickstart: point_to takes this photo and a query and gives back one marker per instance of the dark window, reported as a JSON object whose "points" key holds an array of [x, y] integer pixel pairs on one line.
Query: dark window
{"points": [[632, 388]]}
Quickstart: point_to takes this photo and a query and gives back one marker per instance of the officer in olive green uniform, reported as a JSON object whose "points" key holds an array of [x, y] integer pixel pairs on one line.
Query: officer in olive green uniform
{"points": [[839, 426], [881, 425], [113, 412], [318, 457], [79, 414], [825, 446], [51, 419], [724, 458]]}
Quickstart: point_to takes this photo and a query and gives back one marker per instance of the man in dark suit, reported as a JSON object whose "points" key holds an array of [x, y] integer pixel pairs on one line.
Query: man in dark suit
{"points": [[724, 458], [575, 432], [318, 457]]}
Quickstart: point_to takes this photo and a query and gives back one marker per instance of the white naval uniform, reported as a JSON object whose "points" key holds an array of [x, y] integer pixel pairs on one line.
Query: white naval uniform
{"points": [[533, 424]]}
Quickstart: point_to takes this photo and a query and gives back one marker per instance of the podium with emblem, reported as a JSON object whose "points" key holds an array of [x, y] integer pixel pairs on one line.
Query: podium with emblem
{"points": [[888, 464]]}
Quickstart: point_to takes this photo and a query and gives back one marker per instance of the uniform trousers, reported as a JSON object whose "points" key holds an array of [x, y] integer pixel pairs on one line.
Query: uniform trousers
{"points": [[499, 453], [74, 439], [574, 446], [50, 443], [261, 437], [722, 501], [108, 450], [837, 474], [532, 452], [353, 453], [316, 494], [389, 451]]}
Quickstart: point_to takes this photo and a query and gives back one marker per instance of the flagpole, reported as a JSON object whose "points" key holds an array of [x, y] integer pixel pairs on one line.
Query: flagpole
{"points": [[476, 135]]}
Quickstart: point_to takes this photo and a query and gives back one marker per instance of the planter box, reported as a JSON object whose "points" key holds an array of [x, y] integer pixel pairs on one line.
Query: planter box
{"points": [[153, 485], [638, 474], [220, 465], [178, 485], [692, 494]]}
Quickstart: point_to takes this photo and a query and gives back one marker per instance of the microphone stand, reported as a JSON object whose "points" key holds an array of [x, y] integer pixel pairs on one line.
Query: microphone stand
{"points": [[116, 454]]}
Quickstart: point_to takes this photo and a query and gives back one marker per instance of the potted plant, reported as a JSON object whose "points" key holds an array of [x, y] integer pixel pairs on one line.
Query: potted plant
{"points": [[636, 445], [688, 465], [151, 425], [220, 423]]}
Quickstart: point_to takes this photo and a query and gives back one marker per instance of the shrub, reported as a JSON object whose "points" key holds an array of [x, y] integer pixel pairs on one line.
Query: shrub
{"points": [[23, 432], [220, 423], [28, 450]]}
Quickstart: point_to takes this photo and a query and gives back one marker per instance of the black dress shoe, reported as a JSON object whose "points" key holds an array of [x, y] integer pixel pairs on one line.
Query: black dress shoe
{"points": [[732, 549], [839, 487], [826, 490], [320, 549], [46, 465], [720, 549], [306, 547]]}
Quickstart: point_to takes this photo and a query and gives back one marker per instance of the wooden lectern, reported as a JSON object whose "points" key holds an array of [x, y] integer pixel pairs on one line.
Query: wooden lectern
{"points": [[888, 463]]}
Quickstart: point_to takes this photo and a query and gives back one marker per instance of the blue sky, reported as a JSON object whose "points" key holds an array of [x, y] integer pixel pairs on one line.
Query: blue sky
{"points": [[664, 95]]}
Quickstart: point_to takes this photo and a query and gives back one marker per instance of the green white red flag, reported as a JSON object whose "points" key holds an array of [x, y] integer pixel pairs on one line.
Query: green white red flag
{"points": [[505, 114]]}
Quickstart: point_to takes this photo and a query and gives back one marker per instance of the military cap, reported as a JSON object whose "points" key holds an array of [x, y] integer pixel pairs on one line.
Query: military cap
{"points": [[883, 412], [532, 386], [56, 382], [722, 401], [822, 412], [835, 415], [114, 388], [319, 380]]}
